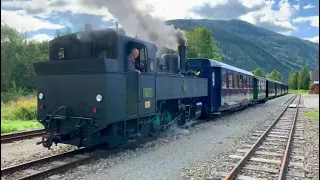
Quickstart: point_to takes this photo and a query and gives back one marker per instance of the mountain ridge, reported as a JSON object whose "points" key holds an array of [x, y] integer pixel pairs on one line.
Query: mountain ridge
{"points": [[248, 47]]}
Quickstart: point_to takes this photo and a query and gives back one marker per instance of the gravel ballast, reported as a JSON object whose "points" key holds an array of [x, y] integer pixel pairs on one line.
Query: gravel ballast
{"points": [[26, 150], [165, 157], [311, 156]]}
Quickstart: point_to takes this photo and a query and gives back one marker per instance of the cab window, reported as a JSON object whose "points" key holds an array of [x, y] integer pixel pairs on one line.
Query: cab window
{"points": [[105, 48]]}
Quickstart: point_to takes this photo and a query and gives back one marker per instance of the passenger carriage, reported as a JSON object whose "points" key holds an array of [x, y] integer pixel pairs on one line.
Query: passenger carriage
{"points": [[271, 87], [260, 89], [228, 87]]}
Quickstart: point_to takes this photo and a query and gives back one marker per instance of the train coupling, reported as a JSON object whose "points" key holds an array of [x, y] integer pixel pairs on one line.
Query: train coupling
{"points": [[48, 140]]}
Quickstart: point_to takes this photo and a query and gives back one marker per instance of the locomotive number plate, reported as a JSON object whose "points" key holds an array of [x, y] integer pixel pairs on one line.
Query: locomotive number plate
{"points": [[147, 104], [147, 92]]}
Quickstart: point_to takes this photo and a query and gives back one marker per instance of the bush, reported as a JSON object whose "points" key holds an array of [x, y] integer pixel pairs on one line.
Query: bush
{"points": [[12, 94], [20, 110], [20, 114]]}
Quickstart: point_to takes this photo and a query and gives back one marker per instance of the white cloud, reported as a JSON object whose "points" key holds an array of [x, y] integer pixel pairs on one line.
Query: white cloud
{"points": [[314, 20], [296, 7], [44, 8], [41, 37], [22, 21], [314, 39], [259, 12], [309, 6], [276, 20]]}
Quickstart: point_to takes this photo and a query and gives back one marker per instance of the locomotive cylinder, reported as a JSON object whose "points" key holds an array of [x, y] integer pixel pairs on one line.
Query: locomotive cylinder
{"points": [[182, 50]]}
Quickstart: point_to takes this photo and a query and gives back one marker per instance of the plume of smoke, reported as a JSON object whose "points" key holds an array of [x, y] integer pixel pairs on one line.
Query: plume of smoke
{"points": [[138, 21]]}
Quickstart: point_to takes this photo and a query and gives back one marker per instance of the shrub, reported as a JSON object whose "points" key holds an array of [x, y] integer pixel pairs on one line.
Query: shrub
{"points": [[20, 110]]}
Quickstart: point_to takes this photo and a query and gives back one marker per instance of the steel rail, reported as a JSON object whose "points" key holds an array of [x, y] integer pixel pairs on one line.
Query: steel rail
{"points": [[7, 138], [71, 164], [231, 174], [19, 167], [284, 162], [287, 100]]}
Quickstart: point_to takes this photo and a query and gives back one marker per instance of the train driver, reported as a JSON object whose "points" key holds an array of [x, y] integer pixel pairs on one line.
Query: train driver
{"points": [[131, 63]]}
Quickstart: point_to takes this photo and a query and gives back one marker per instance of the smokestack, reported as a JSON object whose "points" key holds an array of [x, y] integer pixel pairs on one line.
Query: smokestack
{"points": [[117, 27], [182, 50], [88, 27]]}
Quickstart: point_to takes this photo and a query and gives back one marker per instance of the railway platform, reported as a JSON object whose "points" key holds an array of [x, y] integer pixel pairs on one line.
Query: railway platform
{"points": [[311, 101]]}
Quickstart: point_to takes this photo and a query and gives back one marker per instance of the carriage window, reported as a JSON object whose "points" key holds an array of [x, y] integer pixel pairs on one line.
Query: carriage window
{"points": [[224, 79], [244, 81], [230, 80], [240, 81], [236, 80], [213, 78]]}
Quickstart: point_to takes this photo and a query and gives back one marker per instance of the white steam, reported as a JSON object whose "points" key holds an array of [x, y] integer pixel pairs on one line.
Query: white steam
{"points": [[135, 18]]}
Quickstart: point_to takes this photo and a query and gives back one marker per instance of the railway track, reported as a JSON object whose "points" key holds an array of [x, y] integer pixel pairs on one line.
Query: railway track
{"points": [[271, 153], [48, 166], [7, 138], [45, 167]]}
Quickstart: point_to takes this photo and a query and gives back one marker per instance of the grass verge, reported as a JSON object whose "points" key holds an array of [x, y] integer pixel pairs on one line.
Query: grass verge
{"points": [[299, 91], [312, 114], [19, 115], [8, 126]]}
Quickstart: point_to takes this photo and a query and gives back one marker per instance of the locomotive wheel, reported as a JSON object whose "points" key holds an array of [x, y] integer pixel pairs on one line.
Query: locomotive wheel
{"points": [[166, 117], [161, 120]]}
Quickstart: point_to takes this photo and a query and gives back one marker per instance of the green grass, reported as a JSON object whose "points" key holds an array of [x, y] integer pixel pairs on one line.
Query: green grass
{"points": [[299, 91], [19, 125], [312, 114], [19, 115]]}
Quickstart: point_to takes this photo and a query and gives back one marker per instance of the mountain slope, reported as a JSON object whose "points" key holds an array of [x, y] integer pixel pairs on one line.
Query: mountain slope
{"points": [[248, 47]]}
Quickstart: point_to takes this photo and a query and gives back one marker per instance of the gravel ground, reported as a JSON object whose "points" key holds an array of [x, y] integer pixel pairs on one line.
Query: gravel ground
{"points": [[26, 150], [311, 158], [166, 156]]}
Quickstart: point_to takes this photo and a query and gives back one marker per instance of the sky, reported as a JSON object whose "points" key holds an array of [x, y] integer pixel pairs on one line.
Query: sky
{"points": [[42, 18]]}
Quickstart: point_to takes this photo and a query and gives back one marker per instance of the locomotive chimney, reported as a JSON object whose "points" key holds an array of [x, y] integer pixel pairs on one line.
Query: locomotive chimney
{"points": [[182, 50]]}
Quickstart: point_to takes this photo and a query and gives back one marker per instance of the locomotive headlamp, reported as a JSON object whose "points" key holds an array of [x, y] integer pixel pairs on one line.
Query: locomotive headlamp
{"points": [[99, 98], [40, 96]]}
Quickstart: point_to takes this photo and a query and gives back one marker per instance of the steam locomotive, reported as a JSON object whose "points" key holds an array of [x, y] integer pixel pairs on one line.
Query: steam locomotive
{"points": [[86, 97]]}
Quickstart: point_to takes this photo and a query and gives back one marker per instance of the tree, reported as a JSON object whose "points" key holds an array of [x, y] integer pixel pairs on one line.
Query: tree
{"points": [[293, 80], [258, 72], [17, 58], [201, 43], [275, 75], [304, 78]]}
